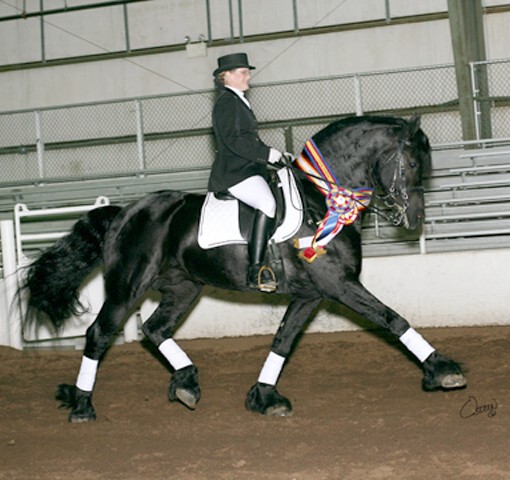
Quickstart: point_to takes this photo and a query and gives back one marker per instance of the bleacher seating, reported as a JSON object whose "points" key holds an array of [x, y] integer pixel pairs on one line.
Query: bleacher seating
{"points": [[119, 189], [467, 200]]}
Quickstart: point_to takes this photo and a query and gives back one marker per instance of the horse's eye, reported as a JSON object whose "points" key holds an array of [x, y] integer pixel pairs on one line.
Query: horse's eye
{"points": [[413, 164]]}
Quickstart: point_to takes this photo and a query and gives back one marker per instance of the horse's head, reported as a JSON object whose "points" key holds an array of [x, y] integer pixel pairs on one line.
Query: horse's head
{"points": [[400, 172]]}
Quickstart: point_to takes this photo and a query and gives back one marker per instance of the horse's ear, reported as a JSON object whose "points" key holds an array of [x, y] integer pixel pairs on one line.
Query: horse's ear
{"points": [[413, 125]]}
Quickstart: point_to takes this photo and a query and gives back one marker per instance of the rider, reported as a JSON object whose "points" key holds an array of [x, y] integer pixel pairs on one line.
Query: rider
{"points": [[240, 166]]}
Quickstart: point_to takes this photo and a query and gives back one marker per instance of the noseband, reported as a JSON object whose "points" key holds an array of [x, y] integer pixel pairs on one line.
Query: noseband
{"points": [[397, 191]]}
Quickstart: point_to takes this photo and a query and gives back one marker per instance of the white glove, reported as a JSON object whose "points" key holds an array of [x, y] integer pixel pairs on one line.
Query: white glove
{"points": [[274, 155]]}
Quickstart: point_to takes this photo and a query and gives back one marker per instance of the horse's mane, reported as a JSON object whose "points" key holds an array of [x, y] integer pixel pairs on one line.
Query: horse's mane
{"points": [[365, 123], [352, 127]]}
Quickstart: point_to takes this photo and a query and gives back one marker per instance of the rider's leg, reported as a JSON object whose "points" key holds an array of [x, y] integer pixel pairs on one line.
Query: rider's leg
{"points": [[259, 275], [255, 192]]}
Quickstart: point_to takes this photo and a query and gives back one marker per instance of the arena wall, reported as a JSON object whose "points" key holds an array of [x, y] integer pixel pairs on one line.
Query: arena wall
{"points": [[431, 290], [95, 32]]}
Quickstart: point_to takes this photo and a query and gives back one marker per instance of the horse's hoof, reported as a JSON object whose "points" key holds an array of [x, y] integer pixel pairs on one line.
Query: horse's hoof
{"points": [[184, 387], [266, 400], [278, 411], [187, 398], [441, 373], [455, 380], [78, 401], [82, 417]]}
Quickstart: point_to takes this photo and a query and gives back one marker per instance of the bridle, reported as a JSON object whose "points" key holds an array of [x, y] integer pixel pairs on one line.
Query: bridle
{"points": [[397, 191]]}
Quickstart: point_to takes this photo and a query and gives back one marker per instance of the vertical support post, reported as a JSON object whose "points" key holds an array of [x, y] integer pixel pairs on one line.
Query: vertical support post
{"points": [[12, 309], [468, 42], [376, 225], [476, 91], [209, 28], [39, 144], [387, 11], [41, 26], [139, 135], [240, 11], [289, 139], [357, 95], [231, 18], [126, 27], [295, 15], [423, 245]]}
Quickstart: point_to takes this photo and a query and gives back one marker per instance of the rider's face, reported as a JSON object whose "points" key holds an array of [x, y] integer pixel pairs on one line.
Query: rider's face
{"points": [[238, 78]]}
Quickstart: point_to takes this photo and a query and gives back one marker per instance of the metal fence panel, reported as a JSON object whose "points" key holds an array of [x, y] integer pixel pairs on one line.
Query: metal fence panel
{"points": [[92, 161], [409, 89], [17, 129], [182, 153], [323, 97], [496, 95], [174, 131], [88, 122], [177, 112], [19, 166]]}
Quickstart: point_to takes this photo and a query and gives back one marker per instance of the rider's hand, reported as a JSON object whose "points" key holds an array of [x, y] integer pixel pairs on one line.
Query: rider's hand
{"points": [[287, 159], [274, 156]]}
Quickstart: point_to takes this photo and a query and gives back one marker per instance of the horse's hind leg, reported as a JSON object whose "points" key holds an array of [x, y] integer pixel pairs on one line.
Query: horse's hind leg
{"points": [[263, 396], [177, 296], [99, 337]]}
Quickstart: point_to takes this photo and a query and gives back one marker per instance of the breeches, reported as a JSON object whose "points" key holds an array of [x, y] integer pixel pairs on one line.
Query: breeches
{"points": [[255, 192]]}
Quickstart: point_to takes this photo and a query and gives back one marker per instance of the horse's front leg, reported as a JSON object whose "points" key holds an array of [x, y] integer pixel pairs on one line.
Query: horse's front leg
{"points": [[440, 371], [263, 396]]}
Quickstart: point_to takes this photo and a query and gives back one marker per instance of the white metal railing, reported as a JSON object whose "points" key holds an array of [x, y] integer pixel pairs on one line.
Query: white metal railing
{"points": [[21, 212], [13, 241]]}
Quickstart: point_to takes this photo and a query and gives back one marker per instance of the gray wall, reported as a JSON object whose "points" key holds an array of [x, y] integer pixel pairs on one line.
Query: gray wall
{"points": [[374, 44]]}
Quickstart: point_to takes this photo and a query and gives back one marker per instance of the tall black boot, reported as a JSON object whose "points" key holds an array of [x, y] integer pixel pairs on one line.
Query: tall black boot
{"points": [[260, 276]]}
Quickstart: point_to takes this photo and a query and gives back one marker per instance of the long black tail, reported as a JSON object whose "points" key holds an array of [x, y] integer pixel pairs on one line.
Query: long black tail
{"points": [[53, 280]]}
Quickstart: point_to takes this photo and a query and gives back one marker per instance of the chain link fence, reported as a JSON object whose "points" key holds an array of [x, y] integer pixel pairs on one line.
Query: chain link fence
{"points": [[492, 99], [173, 133]]}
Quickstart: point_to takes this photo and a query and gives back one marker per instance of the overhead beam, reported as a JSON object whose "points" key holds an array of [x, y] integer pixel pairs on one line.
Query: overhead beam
{"points": [[66, 9]]}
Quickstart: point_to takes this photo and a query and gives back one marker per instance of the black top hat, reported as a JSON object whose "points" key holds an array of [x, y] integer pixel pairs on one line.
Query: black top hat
{"points": [[234, 60]]}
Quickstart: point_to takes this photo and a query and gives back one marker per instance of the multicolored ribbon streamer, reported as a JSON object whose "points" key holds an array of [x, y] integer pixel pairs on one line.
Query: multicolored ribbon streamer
{"points": [[343, 204]]}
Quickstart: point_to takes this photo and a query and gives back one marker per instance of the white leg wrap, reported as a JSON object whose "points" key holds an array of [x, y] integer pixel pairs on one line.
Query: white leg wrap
{"points": [[271, 369], [87, 376], [175, 355], [416, 344]]}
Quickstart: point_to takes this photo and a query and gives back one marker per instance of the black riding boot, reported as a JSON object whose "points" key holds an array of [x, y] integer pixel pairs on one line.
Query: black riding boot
{"points": [[259, 275]]}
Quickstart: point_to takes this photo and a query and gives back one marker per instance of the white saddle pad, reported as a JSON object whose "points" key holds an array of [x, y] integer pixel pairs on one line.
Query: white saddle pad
{"points": [[219, 219]]}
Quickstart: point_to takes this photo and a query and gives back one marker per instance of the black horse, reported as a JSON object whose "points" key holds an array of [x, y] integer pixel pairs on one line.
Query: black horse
{"points": [[152, 244]]}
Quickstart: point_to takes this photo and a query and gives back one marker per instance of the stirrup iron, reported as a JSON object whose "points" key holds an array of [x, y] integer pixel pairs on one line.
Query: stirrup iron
{"points": [[266, 286]]}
